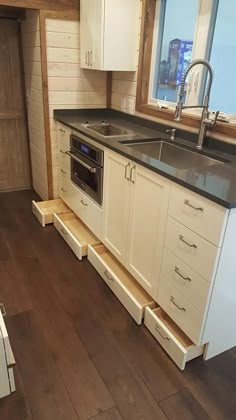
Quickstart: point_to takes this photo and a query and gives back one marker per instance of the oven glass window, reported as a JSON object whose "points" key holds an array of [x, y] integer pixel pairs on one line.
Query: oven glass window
{"points": [[88, 178]]}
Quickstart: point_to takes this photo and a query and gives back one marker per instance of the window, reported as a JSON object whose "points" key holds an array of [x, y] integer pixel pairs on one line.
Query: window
{"points": [[175, 32]]}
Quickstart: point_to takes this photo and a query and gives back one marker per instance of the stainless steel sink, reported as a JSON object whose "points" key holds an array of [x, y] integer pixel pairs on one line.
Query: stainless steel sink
{"points": [[173, 155]]}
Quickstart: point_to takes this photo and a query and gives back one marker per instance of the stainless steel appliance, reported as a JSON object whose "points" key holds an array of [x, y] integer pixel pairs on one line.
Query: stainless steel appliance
{"points": [[87, 167], [106, 129]]}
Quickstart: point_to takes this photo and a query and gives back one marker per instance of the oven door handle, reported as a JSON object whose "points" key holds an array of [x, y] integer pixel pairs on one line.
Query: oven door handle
{"points": [[90, 168]]}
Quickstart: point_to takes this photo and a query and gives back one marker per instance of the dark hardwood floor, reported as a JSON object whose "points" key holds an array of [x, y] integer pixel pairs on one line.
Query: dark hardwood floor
{"points": [[79, 354]]}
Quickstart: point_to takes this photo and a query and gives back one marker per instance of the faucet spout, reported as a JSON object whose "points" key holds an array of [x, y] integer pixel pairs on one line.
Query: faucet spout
{"points": [[205, 122]]}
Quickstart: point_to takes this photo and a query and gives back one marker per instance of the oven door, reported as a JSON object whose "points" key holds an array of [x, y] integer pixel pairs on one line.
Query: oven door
{"points": [[87, 175]]}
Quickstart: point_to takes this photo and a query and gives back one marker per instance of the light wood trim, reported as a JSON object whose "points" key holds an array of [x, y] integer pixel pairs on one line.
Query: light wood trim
{"points": [[123, 275], [72, 14], [109, 89], [144, 67], [77, 228], [43, 52], [43, 4]]}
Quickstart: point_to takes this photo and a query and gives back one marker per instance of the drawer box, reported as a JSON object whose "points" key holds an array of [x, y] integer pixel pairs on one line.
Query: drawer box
{"points": [[120, 281], [190, 284], [191, 248], [63, 135], [75, 233], [44, 210], [178, 346], [183, 313], [201, 215], [7, 361]]}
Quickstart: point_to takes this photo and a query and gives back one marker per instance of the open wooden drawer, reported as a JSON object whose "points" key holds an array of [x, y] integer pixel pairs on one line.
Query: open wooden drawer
{"points": [[44, 210], [179, 347], [7, 362], [124, 286], [75, 233]]}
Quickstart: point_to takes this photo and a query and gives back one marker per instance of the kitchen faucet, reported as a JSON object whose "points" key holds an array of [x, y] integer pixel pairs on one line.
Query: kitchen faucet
{"points": [[206, 122]]}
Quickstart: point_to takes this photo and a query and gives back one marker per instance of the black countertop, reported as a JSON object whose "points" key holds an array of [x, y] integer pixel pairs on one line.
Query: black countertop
{"points": [[216, 182]]}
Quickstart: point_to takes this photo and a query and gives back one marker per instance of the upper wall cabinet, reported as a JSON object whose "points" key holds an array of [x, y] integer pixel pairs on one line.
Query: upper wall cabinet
{"points": [[109, 33]]}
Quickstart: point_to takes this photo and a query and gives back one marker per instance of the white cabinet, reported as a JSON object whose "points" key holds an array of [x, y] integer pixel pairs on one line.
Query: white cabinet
{"points": [[7, 382], [148, 210], [109, 34], [134, 218], [116, 204]]}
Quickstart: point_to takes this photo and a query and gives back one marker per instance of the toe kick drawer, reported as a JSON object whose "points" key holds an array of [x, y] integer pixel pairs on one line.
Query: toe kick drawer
{"points": [[75, 233], [133, 297], [178, 346], [44, 210]]}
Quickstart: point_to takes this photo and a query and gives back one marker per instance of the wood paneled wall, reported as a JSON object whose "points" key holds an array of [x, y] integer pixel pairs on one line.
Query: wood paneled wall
{"points": [[124, 84], [43, 4], [69, 86], [33, 84]]}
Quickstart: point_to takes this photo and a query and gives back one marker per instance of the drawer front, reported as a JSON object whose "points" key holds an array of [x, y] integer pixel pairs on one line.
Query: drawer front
{"points": [[64, 159], [4, 333], [192, 286], [38, 213], [182, 312], [63, 135], [79, 250], [86, 210], [122, 293], [166, 339], [64, 184], [191, 248], [204, 217]]}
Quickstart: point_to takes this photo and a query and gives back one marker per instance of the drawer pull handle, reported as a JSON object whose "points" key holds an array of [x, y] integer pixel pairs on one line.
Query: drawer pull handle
{"points": [[172, 299], [187, 243], [126, 169], [193, 207], [63, 190], [181, 275], [63, 231], [84, 204], [160, 333], [2, 309], [63, 172], [107, 276], [62, 152], [62, 131], [131, 174]]}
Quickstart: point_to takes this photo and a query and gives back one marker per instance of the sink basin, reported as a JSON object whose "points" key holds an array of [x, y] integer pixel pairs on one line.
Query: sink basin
{"points": [[173, 155]]}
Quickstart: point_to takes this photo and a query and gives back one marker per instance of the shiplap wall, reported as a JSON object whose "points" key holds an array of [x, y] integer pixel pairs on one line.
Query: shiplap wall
{"points": [[124, 84], [33, 84], [69, 85]]}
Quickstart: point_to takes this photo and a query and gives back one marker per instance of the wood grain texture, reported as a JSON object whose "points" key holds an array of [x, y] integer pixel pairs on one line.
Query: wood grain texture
{"points": [[14, 157], [42, 4], [78, 351]]}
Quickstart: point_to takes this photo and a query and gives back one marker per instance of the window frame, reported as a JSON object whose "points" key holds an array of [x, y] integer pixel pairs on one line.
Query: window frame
{"points": [[145, 66]]}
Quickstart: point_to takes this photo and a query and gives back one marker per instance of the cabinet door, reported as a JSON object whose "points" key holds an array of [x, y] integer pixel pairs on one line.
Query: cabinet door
{"points": [[116, 204], [91, 44], [147, 221]]}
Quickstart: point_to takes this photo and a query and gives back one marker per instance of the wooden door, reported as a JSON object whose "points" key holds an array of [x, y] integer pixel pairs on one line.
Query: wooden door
{"points": [[147, 222], [116, 204], [14, 153]]}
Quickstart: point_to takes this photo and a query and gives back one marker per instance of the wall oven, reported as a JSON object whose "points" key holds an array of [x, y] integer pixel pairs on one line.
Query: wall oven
{"points": [[87, 167]]}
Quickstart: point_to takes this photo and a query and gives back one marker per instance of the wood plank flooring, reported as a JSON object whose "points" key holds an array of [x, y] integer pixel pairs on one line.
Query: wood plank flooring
{"points": [[79, 354]]}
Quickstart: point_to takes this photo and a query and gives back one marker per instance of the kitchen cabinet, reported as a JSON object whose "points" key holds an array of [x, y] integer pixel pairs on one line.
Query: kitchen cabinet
{"points": [[116, 204], [108, 34], [134, 218], [7, 361]]}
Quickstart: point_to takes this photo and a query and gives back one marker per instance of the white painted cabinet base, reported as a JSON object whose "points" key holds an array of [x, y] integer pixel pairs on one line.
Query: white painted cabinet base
{"points": [[171, 338], [7, 361], [75, 233], [44, 210], [120, 281]]}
